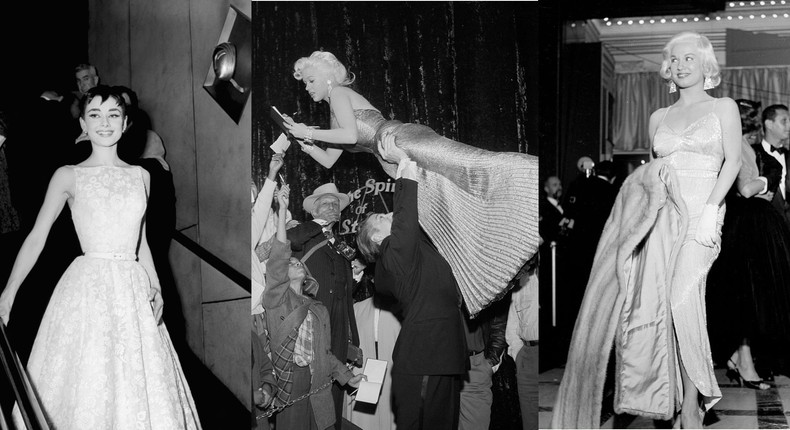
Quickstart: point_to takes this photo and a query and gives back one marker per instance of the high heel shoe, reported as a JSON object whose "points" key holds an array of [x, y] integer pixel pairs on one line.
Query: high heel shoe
{"points": [[735, 376]]}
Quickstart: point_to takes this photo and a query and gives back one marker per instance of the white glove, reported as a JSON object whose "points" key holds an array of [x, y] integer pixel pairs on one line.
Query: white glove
{"points": [[707, 234]]}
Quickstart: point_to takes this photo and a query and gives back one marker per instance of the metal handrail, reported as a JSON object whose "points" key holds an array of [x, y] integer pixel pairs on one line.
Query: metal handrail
{"points": [[234, 275], [26, 400]]}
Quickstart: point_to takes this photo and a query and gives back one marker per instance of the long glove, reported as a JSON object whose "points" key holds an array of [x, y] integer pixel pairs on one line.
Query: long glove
{"points": [[707, 234]]}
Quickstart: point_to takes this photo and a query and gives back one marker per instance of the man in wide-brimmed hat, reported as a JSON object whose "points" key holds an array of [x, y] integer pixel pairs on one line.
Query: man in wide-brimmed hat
{"points": [[329, 261]]}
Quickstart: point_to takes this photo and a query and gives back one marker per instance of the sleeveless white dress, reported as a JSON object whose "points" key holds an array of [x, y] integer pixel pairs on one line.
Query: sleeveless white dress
{"points": [[99, 360]]}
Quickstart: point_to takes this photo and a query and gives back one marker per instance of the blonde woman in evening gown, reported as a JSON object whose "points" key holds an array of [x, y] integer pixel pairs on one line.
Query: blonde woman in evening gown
{"points": [[696, 142], [480, 208]]}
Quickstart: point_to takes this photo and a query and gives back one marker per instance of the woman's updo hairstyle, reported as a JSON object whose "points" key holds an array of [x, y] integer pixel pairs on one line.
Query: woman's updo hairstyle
{"points": [[750, 115], [710, 66], [327, 62], [103, 92]]}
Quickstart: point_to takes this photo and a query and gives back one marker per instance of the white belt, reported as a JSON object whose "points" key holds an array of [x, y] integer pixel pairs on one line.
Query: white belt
{"points": [[112, 255]]}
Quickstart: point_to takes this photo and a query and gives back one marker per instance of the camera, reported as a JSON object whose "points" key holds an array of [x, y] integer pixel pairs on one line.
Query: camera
{"points": [[343, 249]]}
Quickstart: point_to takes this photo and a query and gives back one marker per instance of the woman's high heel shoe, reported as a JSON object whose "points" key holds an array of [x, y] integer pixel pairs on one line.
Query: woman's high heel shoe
{"points": [[735, 376]]}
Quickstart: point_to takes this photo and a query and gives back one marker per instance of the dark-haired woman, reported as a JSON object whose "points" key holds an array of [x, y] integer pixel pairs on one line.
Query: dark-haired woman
{"points": [[102, 358], [749, 302]]}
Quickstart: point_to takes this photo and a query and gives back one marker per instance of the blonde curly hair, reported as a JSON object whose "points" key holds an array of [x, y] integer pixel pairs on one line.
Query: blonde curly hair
{"points": [[327, 62], [710, 66]]}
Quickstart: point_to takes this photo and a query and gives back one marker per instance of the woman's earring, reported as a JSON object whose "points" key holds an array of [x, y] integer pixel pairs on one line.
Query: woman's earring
{"points": [[708, 84], [329, 87], [672, 87]]}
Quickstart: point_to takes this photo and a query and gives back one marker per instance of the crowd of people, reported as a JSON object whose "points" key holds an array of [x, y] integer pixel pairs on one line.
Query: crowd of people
{"points": [[413, 312], [689, 266]]}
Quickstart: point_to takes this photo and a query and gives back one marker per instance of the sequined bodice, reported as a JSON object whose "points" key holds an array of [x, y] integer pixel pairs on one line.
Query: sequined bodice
{"points": [[368, 123], [698, 148], [696, 154], [108, 208]]}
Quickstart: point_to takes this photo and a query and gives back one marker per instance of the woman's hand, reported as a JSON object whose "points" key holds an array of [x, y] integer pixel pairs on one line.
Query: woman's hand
{"points": [[389, 151], [6, 302], [305, 147], [767, 196], [298, 130], [283, 198], [706, 227], [157, 304]]}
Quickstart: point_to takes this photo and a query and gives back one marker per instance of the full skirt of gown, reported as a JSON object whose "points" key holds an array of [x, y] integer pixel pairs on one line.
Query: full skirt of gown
{"points": [[100, 359], [479, 207], [748, 295]]}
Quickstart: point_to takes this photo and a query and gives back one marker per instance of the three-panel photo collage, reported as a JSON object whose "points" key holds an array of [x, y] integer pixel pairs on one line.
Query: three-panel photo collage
{"points": [[460, 215]]}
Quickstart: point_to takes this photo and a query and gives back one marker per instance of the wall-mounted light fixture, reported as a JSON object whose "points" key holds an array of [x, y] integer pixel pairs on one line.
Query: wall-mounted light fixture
{"points": [[229, 76]]}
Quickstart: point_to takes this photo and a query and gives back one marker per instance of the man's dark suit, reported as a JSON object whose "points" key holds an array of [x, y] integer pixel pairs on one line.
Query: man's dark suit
{"points": [[778, 202], [549, 224], [430, 353], [335, 285]]}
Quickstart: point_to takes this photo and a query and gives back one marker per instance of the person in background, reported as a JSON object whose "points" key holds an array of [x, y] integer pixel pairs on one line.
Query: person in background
{"points": [[299, 338]]}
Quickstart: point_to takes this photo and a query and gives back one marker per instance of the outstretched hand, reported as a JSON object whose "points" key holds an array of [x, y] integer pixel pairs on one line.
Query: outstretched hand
{"points": [[275, 165], [283, 198], [389, 151]]}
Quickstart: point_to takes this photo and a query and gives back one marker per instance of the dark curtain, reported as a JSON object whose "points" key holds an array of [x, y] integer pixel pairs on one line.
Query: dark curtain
{"points": [[463, 69], [459, 68]]}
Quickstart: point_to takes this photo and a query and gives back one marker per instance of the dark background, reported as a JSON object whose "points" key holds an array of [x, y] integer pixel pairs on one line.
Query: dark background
{"points": [[467, 70], [41, 45]]}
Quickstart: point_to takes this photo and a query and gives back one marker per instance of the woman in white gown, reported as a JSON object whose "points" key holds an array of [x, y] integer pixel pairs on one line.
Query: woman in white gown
{"points": [[102, 358]]}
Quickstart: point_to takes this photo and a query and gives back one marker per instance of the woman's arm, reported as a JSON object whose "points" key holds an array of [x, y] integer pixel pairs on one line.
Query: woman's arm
{"points": [[325, 157], [146, 260], [61, 188], [730, 120], [346, 133]]}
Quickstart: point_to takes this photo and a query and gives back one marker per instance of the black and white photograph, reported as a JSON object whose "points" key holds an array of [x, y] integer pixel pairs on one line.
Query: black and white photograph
{"points": [[664, 299], [123, 226], [395, 219]]}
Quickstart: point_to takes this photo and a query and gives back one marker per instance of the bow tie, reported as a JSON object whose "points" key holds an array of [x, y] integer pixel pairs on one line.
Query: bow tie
{"points": [[781, 149]]}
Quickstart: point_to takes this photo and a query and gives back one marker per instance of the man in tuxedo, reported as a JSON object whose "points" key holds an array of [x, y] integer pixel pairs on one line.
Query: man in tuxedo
{"points": [[430, 355], [552, 221], [776, 126]]}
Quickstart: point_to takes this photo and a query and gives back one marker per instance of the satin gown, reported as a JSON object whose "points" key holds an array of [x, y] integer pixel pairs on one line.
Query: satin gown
{"points": [[100, 360], [696, 154], [480, 208]]}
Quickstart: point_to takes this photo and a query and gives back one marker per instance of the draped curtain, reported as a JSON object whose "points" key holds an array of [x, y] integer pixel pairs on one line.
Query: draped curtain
{"points": [[637, 95], [456, 67]]}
